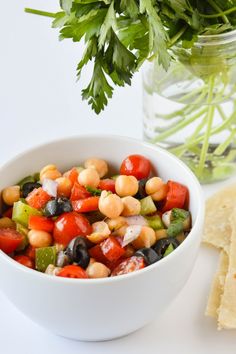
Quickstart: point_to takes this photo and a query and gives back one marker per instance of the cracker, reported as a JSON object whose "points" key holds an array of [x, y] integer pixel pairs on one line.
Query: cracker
{"points": [[217, 229], [217, 286], [227, 309]]}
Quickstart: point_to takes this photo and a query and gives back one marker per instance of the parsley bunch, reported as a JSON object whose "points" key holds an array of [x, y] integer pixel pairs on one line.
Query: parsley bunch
{"points": [[121, 34]]}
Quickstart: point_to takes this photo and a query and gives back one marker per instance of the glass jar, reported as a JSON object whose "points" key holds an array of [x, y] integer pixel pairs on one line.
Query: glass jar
{"points": [[191, 108]]}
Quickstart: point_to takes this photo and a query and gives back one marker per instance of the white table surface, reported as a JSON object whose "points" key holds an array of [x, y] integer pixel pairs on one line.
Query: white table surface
{"points": [[39, 100]]}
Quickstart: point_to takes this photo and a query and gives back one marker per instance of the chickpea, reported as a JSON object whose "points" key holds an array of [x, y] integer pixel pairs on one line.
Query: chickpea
{"points": [[10, 195], [153, 185], [39, 238], [147, 238], [50, 172], [161, 194], [110, 205], [89, 177], [99, 165], [64, 187], [100, 232], [7, 223], [132, 206], [120, 232], [162, 233], [98, 270], [115, 224], [126, 185]]}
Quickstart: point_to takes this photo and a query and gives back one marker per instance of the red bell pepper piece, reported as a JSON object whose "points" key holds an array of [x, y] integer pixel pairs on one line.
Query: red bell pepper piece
{"points": [[85, 205], [38, 198], [41, 223]]}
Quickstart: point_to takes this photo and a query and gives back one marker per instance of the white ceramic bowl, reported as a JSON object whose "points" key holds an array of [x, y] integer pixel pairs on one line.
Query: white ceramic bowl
{"points": [[101, 309]]}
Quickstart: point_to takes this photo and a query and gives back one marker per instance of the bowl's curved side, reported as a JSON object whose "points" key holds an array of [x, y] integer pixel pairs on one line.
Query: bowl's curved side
{"points": [[104, 308]]}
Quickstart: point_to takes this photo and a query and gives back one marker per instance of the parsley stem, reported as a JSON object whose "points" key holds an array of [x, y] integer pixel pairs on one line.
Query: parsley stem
{"points": [[225, 12], [175, 38], [39, 12], [217, 8]]}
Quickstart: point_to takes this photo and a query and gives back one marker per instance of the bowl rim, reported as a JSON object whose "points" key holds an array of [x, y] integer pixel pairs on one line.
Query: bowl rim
{"points": [[160, 263]]}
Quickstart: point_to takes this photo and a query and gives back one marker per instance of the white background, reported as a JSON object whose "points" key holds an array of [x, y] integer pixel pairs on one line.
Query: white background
{"points": [[39, 101]]}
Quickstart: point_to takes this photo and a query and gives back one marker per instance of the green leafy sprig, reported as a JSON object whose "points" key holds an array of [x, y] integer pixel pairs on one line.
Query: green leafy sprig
{"points": [[121, 34]]}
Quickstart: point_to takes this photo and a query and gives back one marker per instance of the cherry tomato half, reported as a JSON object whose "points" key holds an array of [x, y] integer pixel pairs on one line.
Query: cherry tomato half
{"points": [[176, 196], [10, 239], [79, 192], [129, 265], [69, 225], [24, 260], [72, 271], [107, 184], [137, 166]]}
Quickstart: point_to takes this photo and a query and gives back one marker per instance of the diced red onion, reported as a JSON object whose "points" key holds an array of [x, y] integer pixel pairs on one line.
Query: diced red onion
{"points": [[50, 186], [136, 220], [132, 232]]}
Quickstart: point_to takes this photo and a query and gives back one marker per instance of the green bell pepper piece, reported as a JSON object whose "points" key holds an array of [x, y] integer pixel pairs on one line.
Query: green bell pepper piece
{"points": [[147, 206], [155, 222], [45, 256], [23, 231], [175, 228], [22, 211], [169, 249]]}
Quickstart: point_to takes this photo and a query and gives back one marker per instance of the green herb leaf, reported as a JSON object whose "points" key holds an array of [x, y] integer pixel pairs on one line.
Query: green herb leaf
{"points": [[121, 35], [66, 5], [98, 90], [94, 191]]}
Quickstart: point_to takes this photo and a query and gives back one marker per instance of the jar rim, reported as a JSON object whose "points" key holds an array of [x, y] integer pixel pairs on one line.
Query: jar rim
{"points": [[216, 39]]}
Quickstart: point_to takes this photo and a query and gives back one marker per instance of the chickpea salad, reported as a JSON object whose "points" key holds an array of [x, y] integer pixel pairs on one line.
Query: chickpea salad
{"points": [[87, 223]]}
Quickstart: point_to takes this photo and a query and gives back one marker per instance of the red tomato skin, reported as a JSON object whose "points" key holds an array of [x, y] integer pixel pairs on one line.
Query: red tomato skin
{"points": [[73, 175], [96, 253], [30, 252], [85, 205], [79, 192], [70, 225], [38, 198], [107, 184], [41, 223], [112, 249], [10, 239], [176, 196], [8, 213], [24, 260], [129, 265], [73, 271], [137, 166]]}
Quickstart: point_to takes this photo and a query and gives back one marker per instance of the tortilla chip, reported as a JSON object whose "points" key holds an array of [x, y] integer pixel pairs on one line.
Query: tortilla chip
{"points": [[217, 229], [227, 309], [217, 286]]}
